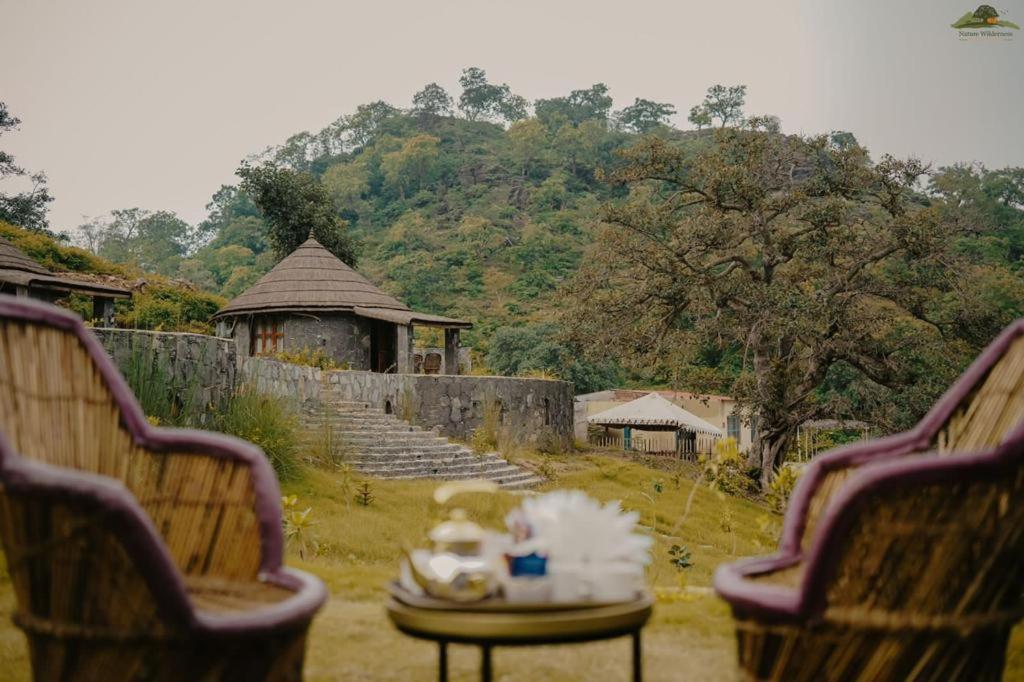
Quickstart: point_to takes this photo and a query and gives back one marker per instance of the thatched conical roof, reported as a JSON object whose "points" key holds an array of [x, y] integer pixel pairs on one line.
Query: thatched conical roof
{"points": [[310, 278]]}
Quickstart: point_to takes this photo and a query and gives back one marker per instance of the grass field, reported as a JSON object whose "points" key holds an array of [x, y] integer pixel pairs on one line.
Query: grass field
{"points": [[689, 638]]}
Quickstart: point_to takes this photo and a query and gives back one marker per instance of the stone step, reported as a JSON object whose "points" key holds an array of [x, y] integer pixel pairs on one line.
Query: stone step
{"points": [[413, 459], [441, 469], [348, 432], [374, 419], [511, 482], [390, 441], [422, 448], [380, 444]]}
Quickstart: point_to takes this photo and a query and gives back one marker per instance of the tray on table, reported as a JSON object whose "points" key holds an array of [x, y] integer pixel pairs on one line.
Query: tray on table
{"points": [[496, 604]]}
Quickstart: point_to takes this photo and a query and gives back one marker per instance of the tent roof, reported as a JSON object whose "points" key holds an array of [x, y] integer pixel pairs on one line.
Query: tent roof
{"points": [[312, 279], [653, 410]]}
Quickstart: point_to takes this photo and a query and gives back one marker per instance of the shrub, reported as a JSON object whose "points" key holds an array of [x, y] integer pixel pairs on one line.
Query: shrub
{"points": [[485, 436], [168, 398], [267, 422], [781, 487], [726, 471], [165, 307], [310, 358], [297, 526], [55, 256], [549, 443]]}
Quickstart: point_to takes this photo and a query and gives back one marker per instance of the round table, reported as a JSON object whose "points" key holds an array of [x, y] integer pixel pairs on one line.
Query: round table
{"points": [[494, 622]]}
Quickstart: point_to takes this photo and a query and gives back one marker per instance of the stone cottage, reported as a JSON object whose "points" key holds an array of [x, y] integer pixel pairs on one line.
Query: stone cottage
{"points": [[313, 300]]}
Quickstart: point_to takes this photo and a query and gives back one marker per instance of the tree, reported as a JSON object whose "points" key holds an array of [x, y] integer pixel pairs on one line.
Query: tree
{"points": [[411, 167], [643, 115], [432, 101], [513, 108], [482, 101], [226, 205], [347, 183], [721, 103], [296, 205], [591, 104], [699, 116], [363, 126], [800, 256], [25, 209], [529, 144], [152, 241], [539, 348]]}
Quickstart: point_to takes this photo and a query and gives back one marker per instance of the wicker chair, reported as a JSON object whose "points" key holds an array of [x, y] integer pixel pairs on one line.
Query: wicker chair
{"points": [[136, 553], [901, 558]]}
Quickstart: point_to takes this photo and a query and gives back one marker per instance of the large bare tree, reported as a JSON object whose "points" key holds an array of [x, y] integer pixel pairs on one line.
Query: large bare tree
{"points": [[798, 254]]}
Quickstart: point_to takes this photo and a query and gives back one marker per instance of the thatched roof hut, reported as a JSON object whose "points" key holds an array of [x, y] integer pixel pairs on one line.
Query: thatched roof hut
{"points": [[22, 276], [312, 300]]}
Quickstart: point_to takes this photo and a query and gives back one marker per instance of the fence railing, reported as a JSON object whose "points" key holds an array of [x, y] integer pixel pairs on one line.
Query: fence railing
{"points": [[687, 449]]}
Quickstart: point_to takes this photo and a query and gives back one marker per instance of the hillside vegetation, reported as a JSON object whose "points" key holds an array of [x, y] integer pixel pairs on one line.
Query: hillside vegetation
{"points": [[157, 302]]}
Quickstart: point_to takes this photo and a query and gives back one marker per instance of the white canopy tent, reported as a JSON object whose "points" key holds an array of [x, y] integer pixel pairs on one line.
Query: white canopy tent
{"points": [[654, 413]]}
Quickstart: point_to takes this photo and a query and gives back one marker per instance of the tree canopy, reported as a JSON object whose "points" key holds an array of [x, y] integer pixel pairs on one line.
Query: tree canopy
{"points": [[804, 258], [27, 208], [296, 205]]}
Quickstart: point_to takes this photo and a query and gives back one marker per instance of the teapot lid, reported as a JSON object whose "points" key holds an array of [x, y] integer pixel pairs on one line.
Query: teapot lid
{"points": [[457, 530]]}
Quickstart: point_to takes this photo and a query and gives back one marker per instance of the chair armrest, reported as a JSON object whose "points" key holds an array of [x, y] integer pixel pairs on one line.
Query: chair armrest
{"points": [[49, 512], [214, 499], [825, 475], [767, 587]]}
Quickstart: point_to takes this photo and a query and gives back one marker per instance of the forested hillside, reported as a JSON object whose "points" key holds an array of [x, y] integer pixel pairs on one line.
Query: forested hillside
{"points": [[480, 212], [484, 206]]}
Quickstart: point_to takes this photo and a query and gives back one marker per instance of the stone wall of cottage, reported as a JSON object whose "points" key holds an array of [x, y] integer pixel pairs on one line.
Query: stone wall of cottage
{"points": [[538, 411]]}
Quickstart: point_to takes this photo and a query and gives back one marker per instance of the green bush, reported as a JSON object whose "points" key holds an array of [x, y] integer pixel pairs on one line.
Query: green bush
{"points": [[781, 488], [726, 471], [165, 307], [55, 256], [268, 422]]}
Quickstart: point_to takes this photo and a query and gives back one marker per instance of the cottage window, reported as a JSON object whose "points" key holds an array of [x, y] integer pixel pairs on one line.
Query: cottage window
{"points": [[732, 427], [267, 337]]}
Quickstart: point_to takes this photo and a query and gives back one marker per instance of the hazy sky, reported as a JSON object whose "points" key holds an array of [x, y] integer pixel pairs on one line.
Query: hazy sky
{"points": [[153, 104]]}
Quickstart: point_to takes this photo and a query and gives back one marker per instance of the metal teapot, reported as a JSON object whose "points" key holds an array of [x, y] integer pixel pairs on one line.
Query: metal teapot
{"points": [[455, 567]]}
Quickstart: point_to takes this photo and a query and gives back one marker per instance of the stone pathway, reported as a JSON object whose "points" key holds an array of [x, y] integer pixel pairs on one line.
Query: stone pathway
{"points": [[382, 445]]}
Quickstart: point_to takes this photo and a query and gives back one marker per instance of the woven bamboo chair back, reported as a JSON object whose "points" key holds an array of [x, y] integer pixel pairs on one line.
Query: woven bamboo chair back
{"points": [[57, 407], [950, 552], [54, 404]]}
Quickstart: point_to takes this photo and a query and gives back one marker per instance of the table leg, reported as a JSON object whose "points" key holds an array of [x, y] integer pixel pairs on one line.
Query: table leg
{"points": [[442, 661], [638, 665], [486, 672]]}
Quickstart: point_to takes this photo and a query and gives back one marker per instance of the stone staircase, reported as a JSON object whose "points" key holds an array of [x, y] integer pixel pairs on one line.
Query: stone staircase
{"points": [[382, 445]]}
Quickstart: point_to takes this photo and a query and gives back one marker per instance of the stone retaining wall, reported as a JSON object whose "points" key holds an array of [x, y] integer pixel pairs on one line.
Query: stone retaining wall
{"points": [[527, 410], [199, 371]]}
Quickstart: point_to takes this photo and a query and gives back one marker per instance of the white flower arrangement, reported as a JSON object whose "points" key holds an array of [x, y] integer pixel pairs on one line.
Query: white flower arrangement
{"points": [[592, 549]]}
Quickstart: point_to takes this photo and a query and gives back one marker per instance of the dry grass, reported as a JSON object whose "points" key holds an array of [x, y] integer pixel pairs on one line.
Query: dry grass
{"points": [[690, 636]]}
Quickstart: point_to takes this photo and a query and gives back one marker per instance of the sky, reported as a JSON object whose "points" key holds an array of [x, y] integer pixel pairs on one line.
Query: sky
{"points": [[153, 104]]}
